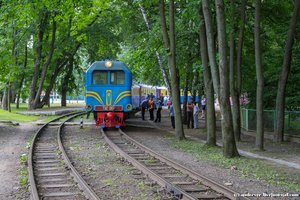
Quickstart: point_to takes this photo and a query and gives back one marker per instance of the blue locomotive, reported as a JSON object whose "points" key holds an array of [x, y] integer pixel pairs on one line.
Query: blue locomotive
{"points": [[109, 92]]}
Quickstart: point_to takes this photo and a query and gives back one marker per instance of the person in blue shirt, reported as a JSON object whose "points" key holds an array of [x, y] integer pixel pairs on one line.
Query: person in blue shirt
{"points": [[171, 113], [145, 105], [158, 112], [151, 95]]}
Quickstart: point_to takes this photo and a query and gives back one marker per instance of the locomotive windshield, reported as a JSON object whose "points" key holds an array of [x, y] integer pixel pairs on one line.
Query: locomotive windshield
{"points": [[117, 77], [100, 77]]}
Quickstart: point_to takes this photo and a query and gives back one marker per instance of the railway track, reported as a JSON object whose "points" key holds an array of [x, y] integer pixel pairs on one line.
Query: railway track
{"points": [[51, 174], [178, 181]]}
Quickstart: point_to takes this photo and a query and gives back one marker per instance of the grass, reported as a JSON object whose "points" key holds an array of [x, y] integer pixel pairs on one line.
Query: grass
{"points": [[13, 116], [246, 167], [48, 119], [5, 115]]}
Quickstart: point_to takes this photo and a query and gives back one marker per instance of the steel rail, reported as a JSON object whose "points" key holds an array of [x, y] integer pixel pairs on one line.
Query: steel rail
{"points": [[154, 176], [34, 193], [229, 193], [88, 192]]}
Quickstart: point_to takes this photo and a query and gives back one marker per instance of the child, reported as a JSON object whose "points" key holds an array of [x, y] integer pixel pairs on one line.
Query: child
{"points": [[169, 104]]}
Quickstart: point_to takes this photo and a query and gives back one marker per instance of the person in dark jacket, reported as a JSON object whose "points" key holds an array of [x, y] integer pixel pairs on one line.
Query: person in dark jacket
{"points": [[151, 108], [145, 105], [158, 112]]}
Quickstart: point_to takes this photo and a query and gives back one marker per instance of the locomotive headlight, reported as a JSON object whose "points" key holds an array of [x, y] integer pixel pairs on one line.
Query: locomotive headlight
{"points": [[128, 107], [108, 63], [89, 108]]}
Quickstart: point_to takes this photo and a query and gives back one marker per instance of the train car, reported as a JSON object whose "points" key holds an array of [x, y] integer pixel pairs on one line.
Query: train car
{"points": [[109, 93], [188, 96], [146, 90], [162, 91]]}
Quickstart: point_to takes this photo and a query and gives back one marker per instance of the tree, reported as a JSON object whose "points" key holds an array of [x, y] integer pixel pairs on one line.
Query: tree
{"points": [[280, 100], [236, 93], [229, 146], [170, 44], [47, 63], [158, 55], [259, 143], [43, 21], [220, 81], [208, 82]]}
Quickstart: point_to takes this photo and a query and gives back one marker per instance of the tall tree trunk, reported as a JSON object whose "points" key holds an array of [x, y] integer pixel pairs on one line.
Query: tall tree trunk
{"points": [[158, 55], [259, 143], [237, 94], [233, 92], [8, 96], [280, 100], [229, 146], [14, 54], [12, 93], [209, 90], [23, 76], [4, 100], [179, 134], [51, 50], [194, 85], [45, 99], [211, 46], [240, 49], [185, 96], [65, 84], [32, 89], [200, 91]]}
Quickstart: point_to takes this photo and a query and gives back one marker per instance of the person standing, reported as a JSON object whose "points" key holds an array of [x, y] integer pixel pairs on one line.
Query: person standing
{"points": [[169, 104], [159, 107], [203, 102], [171, 113], [165, 100], [196, 121], [145, 105], [151, 95], [151, 108], [190, 109]]}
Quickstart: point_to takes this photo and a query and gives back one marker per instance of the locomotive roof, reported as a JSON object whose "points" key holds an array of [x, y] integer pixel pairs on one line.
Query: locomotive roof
{"points": [[100, 65]]}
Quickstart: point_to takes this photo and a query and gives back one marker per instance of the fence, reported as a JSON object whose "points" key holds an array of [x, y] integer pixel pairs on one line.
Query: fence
{"points": [[291, 121], [57, 99], [70, 99]]}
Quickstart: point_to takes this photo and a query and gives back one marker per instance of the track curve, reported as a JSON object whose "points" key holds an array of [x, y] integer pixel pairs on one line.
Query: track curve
{"points": [[177, 180], [49, 168]]}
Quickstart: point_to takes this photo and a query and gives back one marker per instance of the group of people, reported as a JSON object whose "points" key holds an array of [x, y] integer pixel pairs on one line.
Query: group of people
{"points": [[192, 110], [150, 103]]}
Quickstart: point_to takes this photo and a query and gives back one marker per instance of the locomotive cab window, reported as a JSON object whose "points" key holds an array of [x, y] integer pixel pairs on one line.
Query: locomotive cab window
{"points": [[100, 77], [117, 77]]}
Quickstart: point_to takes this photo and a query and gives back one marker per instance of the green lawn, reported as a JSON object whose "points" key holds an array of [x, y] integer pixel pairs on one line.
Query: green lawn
{"points": [[5, 115]]}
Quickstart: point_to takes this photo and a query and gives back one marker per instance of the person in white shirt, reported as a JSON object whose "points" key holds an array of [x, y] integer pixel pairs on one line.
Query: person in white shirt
{"points": [[203, 106], [196, 112], [165, 100]]}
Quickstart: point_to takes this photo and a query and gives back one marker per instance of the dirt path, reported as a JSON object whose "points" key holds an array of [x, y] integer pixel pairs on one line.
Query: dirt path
{"points": [[12, 146]]}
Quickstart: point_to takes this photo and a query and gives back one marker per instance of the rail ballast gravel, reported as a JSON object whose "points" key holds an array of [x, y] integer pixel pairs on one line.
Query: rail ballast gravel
{"points": [[44, 168], [192, 186]]}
